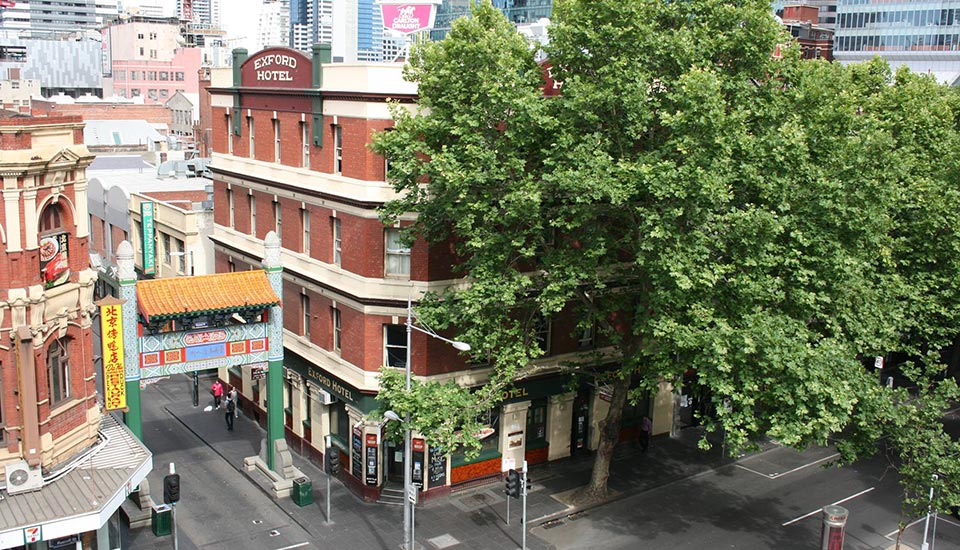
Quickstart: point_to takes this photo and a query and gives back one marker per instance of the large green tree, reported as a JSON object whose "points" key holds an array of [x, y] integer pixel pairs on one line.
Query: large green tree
{"points": [[705, 205]]}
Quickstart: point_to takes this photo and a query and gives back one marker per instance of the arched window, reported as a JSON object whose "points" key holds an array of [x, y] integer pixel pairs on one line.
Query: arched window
{"points": [[51, 218], [58, 370]]}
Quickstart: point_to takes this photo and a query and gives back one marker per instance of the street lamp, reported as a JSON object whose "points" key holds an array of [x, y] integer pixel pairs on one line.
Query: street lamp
{"points": [[407, 452]]}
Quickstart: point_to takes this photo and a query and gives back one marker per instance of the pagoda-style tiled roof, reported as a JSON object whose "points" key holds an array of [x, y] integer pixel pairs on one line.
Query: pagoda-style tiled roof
{"points": [[161, 299]]}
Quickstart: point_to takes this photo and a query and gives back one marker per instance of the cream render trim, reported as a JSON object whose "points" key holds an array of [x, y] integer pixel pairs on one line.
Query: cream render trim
{"points": [[305, 179]]}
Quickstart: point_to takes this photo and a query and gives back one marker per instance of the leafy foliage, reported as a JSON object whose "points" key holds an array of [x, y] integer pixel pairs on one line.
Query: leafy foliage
{"points": [[765, 222]]}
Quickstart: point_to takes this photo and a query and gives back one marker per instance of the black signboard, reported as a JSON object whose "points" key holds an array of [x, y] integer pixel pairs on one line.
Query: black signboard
{"points": [[437, 472], [356, 457], [371, 460]]}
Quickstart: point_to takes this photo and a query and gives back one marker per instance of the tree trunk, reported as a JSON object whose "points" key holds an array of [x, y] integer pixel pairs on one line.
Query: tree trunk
{"points": [[596, 490]]}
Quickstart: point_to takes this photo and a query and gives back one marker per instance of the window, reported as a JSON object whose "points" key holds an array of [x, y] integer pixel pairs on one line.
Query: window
{"points": [[398, 254], [229, 134], [276, 140], [336, 329], [541, 325], [395, 346], [337, 149], [537, 421], [152, 93], [178, 76], [167, 249], [51, 219], [58, 370], [585, 338], [153, 54], [164, 94], [305, 223], [121, 75], [305, 313], [151, 75], [153, 36], [181, 255], [134, 75], [278, 217], [139, 36], [250, 134], [135, 92], [340, 422], [230, 205], [252, 203], [15, 84], [164, 75], [337, 241], [305, 143]]}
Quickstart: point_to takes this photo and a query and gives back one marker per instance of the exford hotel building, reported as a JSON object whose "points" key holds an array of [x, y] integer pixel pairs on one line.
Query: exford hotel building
{"points": [[290, 154]]}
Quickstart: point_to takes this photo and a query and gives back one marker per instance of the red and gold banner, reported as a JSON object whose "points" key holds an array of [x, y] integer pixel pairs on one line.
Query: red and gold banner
{"points": [[114, 381]]}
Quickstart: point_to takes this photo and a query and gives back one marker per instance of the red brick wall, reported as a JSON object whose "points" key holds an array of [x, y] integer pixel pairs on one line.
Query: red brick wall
{"points": [[157, 114], [173, 196]]}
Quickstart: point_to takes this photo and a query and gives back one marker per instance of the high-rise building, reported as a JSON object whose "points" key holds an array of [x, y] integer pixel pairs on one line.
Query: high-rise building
{"points": [[272, 28], [57, 16], [306, 29], [924, 36]]}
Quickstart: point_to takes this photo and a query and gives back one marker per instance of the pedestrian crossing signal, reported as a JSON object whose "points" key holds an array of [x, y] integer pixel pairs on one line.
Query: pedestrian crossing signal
{"points": [[171, 488], [331, 459], [513, 484]]}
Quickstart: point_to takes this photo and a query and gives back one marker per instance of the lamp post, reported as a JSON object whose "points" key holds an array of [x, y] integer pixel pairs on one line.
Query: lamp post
{"points": [[407, 453]]}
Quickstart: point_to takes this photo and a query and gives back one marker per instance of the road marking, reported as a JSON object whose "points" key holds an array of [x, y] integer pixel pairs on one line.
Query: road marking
{"points": [[294, 546], [781, 474], [818, 510]]}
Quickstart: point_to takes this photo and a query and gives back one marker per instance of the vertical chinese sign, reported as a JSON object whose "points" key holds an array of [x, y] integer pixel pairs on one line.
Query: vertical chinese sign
{"points": [[149, 249], [111, 332]]}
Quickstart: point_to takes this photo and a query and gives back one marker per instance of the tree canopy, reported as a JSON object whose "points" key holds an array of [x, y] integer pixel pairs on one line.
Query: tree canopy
{"points": [[762, 221]]}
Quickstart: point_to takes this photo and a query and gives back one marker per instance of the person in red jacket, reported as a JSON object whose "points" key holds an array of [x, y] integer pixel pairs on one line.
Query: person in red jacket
{"points": [[217, 389]]}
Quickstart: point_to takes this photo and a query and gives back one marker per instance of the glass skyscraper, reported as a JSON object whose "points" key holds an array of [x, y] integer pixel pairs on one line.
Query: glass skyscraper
{"points": [[923, 35]]}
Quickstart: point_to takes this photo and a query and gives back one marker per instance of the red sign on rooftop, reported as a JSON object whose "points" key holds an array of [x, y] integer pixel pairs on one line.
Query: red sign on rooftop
{"points": [[277, 68]]}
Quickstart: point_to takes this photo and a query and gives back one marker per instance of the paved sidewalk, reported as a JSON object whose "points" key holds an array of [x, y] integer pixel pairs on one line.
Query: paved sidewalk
{"points": [[468, 519]]}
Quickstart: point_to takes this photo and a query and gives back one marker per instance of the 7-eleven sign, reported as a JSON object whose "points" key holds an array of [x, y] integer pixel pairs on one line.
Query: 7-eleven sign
{"points": [[33, 534]]}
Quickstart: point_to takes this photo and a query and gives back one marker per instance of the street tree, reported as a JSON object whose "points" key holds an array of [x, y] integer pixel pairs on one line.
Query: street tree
{"points": [[706, 206]]}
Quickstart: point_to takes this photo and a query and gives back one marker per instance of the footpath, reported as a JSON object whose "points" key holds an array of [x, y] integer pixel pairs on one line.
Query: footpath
{"points": [[473, 518]]}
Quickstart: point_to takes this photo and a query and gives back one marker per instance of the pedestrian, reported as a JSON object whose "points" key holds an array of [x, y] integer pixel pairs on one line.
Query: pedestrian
{"points": [[646, 426], [232, 396], [217, 389], [229, 414]]}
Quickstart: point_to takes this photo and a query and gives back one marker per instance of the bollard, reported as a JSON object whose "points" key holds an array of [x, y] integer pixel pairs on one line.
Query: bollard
{"points": [[834, 521]]}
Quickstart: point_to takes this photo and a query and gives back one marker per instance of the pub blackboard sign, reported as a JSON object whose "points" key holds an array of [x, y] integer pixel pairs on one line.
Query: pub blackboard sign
{"points": [[437, 472]]}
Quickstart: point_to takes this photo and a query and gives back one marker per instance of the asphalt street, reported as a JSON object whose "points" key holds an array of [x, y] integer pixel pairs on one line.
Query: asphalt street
{"points": [[673, 497]]}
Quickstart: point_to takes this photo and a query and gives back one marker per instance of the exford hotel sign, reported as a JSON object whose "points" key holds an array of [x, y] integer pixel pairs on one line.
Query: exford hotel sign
{"points": [[277, 68], [408, 17]]}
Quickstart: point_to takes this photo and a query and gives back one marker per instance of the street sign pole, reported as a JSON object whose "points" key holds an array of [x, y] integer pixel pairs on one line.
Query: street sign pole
{"points": [[173, 517], [523, 520], [326, 447]]}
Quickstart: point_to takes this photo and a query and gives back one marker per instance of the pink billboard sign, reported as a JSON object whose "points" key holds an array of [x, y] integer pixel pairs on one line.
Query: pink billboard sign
{"points": [[408, 18]]}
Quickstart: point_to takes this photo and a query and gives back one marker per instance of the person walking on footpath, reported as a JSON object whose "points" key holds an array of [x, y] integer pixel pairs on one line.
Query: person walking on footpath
{"points": [[646, 426], [231, 407], [217, 389], [232, 397]]}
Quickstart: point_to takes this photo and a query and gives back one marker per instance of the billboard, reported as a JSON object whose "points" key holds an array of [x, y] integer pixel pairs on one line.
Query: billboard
{"points": [[54, 260], [408, 17]]}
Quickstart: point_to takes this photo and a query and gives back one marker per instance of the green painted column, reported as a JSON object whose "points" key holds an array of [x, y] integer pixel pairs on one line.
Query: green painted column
{"points": [[127, 276], [274, 269]]}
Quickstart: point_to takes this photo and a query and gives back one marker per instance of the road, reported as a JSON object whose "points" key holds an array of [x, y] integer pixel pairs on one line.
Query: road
{"points": [[219, 507], [770, 501]]}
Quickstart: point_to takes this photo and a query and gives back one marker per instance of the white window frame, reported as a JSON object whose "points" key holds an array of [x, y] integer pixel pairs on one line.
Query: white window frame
{"points": [[278, 217], [396, 260], [252, 201], [337, 149], [400, 335], [230, 207], [250, 136], [305, 142], [337, 241], [276, 140], [304, 313], [58, 371], [305, 224], [337, 334]]}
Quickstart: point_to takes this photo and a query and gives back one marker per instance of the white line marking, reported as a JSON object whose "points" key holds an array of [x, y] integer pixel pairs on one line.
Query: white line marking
{"points": [[294, 546], [818, 510], [781, 474]]}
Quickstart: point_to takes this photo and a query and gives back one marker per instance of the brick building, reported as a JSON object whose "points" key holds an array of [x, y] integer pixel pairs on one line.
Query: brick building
{"points": [[290, 136], [50, 418]]}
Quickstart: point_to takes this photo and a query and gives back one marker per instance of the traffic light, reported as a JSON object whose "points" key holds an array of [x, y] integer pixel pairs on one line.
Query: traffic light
{"points": [[171, 488], [513, 484], [331, 459]]}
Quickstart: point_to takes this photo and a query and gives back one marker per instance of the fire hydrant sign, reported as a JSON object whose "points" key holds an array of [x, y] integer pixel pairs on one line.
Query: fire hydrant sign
{"points": [[114, 382]]}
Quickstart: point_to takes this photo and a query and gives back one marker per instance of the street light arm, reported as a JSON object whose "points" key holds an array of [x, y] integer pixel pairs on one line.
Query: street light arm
{"points": [[462, 346]]}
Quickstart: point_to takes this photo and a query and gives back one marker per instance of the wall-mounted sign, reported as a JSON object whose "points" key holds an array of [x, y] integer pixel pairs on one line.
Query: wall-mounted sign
{"points": [[258, 371], [437, 470], [408, 17], [277, 68], [356, 454], [149, 248], [114, 381], [371, 460], [419, 446], [54, 260]]}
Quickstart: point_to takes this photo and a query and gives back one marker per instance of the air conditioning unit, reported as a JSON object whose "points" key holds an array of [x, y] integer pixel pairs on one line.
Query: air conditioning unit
{"points": [[324, 397], [22, 478]]}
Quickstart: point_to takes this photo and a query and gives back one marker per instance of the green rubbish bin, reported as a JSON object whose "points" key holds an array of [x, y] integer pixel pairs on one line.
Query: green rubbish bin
{"points": [[302, 491], [160, 520]]}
